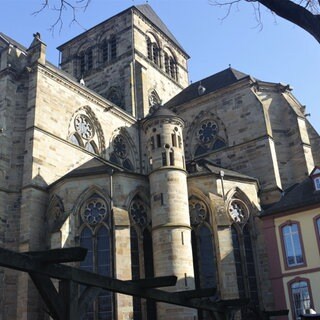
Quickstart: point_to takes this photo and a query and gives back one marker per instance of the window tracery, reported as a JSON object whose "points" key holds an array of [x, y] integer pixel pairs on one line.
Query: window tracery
{"points": [[121, 152], [96, 236], [238, 211], [208, 137], [198, 212], [85, 131], [138, 213]]}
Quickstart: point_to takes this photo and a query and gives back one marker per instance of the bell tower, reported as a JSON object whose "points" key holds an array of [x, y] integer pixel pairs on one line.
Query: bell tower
{"points": [[171, 231]]}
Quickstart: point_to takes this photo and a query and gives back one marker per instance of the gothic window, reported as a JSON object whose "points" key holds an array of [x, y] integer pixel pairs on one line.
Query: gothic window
{"points": [[141, 252], [238, 211], [203, 248], [243, 253], [121, 152], [84, 133], [154, 99], [96, 237], [208, 137], [300, 297], [293, 249], [138, 213]]}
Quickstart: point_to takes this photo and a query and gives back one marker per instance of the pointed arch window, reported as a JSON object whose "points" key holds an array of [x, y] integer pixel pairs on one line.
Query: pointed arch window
{"points": [[203, 247], [96, 236], [141, 252], [203, 243], [243, 253], [84, 133], [121, 152]]}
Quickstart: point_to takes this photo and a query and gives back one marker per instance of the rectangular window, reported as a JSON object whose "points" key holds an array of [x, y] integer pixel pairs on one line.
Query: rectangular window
{"points": [[158, 140], [82, 64], [317, 229], [171, 156], [113, 48], [292, 245], [89, 60], [152, 143], [105, 53], [174, 140], [164, 159]]}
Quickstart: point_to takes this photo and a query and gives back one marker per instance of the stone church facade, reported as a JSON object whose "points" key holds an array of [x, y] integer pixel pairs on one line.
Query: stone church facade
{"points": [[116, 152]]}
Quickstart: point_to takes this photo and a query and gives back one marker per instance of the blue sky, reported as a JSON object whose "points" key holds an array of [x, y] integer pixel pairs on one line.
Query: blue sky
{"points": [[279, 52]]}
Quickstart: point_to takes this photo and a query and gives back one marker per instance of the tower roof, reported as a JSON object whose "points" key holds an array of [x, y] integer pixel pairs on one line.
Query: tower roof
{"points": [[150, 14], [212, 83]]}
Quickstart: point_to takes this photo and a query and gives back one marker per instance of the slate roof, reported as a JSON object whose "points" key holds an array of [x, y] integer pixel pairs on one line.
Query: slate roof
{"points": [[215, 82], [150, 14], [299, 196], [206, 166], [13, 42]]}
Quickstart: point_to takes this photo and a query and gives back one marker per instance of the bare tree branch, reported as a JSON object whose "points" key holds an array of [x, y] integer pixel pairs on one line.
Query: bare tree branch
{"points": [[61, 8], [303, 13]]}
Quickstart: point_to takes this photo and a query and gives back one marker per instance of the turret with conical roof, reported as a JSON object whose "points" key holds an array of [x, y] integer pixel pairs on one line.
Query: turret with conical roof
{"points": [[171, 231]]}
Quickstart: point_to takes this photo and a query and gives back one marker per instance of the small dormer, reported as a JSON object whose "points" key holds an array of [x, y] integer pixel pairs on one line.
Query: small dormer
{"points": [[315, 176]]}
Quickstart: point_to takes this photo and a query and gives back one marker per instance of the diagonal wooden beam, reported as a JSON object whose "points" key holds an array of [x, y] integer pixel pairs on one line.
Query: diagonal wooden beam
{"points": [[86, 297], [198, 293], [156, 282], [27, 263], [49, 295], [59, 255]]}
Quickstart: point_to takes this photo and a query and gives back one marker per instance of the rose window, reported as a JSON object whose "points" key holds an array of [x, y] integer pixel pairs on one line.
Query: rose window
{"points": [[238, 211], [84, 126], [208, 131], [139, 213], [198, 212], [94, 212], [119, 146]]}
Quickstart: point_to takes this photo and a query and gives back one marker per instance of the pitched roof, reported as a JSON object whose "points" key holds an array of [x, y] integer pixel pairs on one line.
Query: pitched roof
{"points": [[13, 42], [212, 83], [150, 14], [298, 196], [206, 166]]}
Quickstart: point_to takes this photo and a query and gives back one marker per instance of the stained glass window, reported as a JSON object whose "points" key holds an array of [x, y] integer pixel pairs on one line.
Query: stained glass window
{"points": [[96, 238]]}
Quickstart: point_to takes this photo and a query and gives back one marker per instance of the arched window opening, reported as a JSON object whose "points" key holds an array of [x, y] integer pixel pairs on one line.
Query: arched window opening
{"points": [[244, 255], [203, 248], [153, 51], [121, 152], [84, 133], [149, 270], [135, 269], [95, 236], [209, 137]]}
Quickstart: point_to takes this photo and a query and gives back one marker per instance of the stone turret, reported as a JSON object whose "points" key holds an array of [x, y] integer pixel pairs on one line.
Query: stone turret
{"points": [[171, 232]]}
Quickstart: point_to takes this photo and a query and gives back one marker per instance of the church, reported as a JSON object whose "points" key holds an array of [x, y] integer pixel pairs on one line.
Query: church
{"points": [[115, 151]]}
